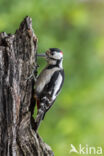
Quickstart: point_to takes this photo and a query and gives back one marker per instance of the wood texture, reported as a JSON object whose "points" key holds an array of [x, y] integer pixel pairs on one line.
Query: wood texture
{"points": [[17, 61]]}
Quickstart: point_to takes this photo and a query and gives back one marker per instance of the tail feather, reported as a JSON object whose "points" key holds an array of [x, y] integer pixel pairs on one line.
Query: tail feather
{"points": [[43, 107], [39, 117]]}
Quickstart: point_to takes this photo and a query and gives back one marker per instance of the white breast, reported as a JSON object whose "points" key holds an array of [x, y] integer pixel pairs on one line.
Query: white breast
{"points": [[44, 78]]}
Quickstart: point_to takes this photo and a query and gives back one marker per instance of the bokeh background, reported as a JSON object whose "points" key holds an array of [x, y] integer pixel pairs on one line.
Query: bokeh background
{"points": [[77, 28]]}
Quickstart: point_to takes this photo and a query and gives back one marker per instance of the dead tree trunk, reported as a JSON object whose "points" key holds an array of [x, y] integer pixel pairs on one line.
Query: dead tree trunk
{"points": [[17, 59]]}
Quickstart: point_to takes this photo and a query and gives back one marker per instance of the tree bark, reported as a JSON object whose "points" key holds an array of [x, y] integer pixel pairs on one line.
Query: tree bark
{"points": [[17, 59]]}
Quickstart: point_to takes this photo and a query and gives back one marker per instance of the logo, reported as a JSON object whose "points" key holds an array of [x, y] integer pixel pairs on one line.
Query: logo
{"points": [[86, 150]]}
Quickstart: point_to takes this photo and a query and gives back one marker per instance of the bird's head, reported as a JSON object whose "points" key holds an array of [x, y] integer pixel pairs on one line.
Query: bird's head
{"points": [[53, 56]]}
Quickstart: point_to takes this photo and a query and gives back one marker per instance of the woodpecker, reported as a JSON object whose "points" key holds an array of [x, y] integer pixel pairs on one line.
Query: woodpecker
{"points": [[48, 83]]}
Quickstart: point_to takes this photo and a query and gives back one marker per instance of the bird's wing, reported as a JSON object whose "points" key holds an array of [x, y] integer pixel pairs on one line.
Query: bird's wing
{"points": [[49, 94], [51, 90]]}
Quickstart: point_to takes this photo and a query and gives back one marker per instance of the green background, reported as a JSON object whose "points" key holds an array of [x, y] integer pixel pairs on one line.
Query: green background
{"points": [[77, 28]]}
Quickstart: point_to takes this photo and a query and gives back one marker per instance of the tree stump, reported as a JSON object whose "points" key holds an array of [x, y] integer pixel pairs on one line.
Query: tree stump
{"points": [[17, 59]]}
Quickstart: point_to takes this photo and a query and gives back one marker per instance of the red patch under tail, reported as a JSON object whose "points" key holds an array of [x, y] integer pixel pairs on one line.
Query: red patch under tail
{"points": [[38, 103]]}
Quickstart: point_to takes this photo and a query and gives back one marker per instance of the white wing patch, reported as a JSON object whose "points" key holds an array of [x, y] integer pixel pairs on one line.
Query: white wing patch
{"points": [[57, 86]]}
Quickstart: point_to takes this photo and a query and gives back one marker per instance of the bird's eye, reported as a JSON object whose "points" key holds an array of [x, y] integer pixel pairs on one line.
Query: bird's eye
{"points": [[52, 53]]}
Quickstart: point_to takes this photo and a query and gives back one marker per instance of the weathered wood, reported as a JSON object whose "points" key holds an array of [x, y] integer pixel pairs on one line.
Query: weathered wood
{"points": [[17, 59]]}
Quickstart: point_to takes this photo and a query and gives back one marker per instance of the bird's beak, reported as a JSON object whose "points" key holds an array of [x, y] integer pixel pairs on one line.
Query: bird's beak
{"points": [[41, 55]]}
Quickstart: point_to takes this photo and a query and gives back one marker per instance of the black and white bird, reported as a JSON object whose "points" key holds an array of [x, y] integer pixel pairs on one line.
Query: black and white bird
{"points": [[48, 83]]}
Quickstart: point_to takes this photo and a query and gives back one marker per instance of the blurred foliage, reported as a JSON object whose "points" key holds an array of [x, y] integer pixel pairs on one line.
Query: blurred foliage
{"points": [[76, 27]]}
